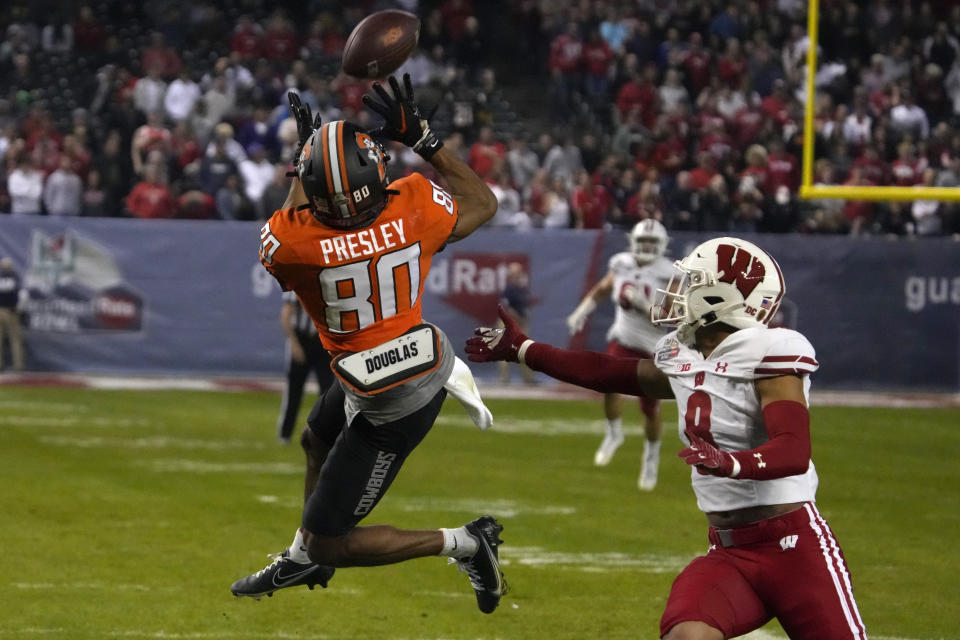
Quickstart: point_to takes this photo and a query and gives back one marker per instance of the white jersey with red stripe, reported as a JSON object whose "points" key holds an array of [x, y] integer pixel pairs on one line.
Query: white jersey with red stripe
{"points": [[716, 397], [631, 326]]}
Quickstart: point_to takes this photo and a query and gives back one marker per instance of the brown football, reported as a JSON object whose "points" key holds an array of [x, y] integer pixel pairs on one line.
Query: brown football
{"points": [[380, 43]]}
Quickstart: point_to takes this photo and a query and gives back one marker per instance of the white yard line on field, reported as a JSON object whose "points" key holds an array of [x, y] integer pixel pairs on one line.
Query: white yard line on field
{"points": [[34, 405], [196, 635], [71, 421], [463, 506], [79, 585], [157, 442], [535, 426], [594, 562], [503, 508], [204, 466]]}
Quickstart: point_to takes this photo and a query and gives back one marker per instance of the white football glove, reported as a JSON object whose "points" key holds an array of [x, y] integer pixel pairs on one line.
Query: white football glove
{"points": [[634, 299], [577, 319]]}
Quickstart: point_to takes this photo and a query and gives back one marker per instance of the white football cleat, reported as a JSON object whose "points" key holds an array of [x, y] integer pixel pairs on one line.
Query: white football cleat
{"points": [[611, 442]]}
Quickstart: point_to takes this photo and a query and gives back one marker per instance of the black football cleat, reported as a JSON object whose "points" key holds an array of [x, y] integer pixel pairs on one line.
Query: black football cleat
{"points": [[281, 573], [483, 567]]}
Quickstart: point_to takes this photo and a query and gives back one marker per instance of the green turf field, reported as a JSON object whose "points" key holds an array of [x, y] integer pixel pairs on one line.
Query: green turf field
{"points": [[128, 514]]}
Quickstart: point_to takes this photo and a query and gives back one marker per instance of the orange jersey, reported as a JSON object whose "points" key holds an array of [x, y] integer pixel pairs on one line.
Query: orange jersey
{"points": [[362, 287]]}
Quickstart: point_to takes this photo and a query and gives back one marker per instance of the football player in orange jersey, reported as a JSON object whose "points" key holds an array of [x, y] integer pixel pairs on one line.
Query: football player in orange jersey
{"points": [[356, 250]]}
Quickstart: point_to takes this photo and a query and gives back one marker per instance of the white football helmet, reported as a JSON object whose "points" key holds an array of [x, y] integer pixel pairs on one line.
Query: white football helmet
{"points": [[724, 280], [648, 240]]}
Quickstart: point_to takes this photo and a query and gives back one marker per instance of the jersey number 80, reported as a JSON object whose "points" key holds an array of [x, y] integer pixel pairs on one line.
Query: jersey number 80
{"points": [[360, 293]]}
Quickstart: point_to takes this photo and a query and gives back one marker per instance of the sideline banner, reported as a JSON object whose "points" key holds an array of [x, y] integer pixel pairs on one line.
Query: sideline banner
{"points": [[168, 297]]}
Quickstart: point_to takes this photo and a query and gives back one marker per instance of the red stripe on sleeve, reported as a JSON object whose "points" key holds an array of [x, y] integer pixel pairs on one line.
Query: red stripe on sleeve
{"points": [[806, 359], [786, 371]]}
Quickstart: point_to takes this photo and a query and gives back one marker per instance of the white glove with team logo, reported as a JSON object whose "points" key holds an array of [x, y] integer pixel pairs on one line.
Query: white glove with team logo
{"points": [[577, 319]]}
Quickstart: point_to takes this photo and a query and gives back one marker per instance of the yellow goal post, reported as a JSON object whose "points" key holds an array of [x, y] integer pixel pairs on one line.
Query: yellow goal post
{"points": [[807, 188]]}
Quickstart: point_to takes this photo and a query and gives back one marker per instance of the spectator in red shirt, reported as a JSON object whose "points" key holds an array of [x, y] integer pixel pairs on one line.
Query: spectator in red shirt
{"points": [[565, 51], [196, 205], [871, 166], [908, 169], [708, 118], [590, 203], [350, 93], [247, 39], [705, 172], [486, 154], [280, 39], [670, 154], [732, 66], [749, 125], [151, 136], [696, 62], [455, 14], [159, 56], [857, 213], [640, 93], [78, 154], [597, 56], [87, 32], [784, 170], [184, 150], [151, 198], [716, 141], [775, 104]]}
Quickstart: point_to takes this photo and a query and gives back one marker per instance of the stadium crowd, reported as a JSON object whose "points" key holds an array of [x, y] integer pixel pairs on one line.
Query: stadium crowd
{"points": [[688, 112]]}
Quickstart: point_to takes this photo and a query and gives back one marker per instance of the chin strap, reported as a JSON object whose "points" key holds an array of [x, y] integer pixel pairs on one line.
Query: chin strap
{"points": [[687, 330]]}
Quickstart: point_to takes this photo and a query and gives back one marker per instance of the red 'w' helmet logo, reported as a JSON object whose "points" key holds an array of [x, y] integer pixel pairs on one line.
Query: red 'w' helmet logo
{"points": [[743, 270]]}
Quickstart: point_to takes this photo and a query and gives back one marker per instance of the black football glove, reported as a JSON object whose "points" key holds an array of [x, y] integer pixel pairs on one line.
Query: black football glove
{"points": [[403, 120], [306, 123]]}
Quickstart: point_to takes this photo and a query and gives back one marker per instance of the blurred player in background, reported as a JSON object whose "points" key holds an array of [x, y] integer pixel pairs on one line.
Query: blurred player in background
{"points": [[632, 280], [356, 250], [305, 354], [515, 299], [742, 390], [11, 329]]}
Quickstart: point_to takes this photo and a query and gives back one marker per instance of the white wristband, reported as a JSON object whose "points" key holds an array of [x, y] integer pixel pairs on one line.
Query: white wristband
{"points": [[736, 467], [522, 351]]}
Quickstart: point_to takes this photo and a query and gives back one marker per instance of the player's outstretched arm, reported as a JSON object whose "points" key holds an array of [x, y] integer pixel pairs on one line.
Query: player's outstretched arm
{"points": [[577, 319], [475, 200], [588, 369], [307, 123], [404, 123]]}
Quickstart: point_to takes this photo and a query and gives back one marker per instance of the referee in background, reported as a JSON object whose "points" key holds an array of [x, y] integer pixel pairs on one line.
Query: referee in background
{"points": [[305, 353]]}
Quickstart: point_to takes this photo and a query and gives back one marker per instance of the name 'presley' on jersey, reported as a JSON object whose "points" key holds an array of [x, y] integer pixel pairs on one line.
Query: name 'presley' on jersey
{"points": [[717, 399], [363, 287]]}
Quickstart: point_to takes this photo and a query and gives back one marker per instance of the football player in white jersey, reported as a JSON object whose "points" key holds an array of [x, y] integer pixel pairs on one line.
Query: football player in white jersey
{"points": [[741, 391], [632, 280]]}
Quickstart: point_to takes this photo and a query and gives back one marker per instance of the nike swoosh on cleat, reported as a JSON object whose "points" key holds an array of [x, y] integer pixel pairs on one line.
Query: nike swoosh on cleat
{"points": [[279, 580], [496, 565]]}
